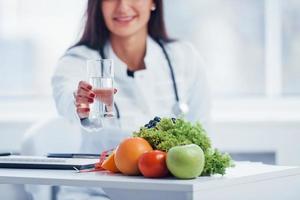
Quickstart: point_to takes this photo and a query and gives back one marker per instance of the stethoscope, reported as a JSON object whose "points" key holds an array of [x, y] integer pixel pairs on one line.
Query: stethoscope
{"points": [[180, 108]]}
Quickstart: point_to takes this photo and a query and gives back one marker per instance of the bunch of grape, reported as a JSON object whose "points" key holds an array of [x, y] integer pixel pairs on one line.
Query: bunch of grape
{"points": [[152, 123]]}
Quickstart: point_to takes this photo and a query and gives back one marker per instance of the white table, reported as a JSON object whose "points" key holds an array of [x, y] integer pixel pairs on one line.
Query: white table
{"points": [[245, 181]]}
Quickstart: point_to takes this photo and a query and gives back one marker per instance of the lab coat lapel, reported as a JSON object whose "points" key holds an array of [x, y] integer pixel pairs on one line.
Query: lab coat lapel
{"points": [[146, 78]]}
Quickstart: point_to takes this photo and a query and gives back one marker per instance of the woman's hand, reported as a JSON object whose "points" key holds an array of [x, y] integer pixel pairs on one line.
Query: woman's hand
{"points": [[84, 96]]}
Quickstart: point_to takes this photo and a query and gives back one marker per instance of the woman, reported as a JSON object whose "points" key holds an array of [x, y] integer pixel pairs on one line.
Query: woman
{"points": [[152, 72]]}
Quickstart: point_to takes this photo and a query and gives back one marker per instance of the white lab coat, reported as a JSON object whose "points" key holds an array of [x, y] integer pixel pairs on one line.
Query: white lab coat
{"points": [[150, 93]]}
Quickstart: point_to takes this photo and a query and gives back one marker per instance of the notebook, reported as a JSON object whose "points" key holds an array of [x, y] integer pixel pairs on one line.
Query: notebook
{"points": [[41, 162]]}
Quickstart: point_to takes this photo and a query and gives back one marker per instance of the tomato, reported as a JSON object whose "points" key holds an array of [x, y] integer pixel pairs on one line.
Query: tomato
{"points": [[152, 164]]}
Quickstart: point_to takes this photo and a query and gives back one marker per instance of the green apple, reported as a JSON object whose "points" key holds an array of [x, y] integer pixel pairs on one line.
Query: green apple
{"points": [[185, 162]]}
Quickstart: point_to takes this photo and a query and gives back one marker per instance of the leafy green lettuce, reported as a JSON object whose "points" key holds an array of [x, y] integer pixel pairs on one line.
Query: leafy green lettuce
{"points": [[167, 134]]}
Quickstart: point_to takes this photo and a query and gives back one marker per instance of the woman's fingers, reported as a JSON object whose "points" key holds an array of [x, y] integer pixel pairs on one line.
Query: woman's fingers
{"points": [[84, 93], [83, 100], [84, 85], [83, 97], [83, 112]]}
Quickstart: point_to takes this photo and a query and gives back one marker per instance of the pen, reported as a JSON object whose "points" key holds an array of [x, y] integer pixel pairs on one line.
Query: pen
{"points": [[5, 154], [72, 155]]}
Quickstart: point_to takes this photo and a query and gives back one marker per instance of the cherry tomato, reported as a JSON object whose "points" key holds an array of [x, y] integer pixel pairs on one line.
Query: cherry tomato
{"points": [[152, 164]]}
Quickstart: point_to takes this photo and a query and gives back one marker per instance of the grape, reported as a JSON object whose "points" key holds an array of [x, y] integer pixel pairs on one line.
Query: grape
{"points": [[157, 119], [174, 120]]}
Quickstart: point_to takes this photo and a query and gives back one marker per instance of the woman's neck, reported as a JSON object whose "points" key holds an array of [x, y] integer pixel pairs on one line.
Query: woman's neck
{"points": [[130, 50]]}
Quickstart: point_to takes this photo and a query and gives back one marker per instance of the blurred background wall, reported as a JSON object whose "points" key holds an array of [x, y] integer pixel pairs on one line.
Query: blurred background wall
{"points": [[251, 48]]}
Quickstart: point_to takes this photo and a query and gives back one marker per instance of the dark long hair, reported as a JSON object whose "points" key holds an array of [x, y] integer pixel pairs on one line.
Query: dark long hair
{"points": [[96, 33]]}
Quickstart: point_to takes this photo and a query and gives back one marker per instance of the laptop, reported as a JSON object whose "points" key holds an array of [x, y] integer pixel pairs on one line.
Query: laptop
{"points": [[41, 162]]}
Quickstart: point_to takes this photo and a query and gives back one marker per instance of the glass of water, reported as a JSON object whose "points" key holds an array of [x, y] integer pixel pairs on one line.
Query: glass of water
{"points": [[100, 73]]}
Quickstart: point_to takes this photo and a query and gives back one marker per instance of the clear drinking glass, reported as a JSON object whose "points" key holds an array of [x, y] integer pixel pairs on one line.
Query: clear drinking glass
{"points": [[101, 76]]}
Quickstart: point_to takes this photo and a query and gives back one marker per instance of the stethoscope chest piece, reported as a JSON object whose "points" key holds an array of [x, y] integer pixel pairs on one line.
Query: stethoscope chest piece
{"points": [[180, 109]]}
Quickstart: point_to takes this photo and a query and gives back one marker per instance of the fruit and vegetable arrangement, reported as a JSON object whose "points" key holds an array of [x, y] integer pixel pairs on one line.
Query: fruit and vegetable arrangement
{"points": [[165, 147]]}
